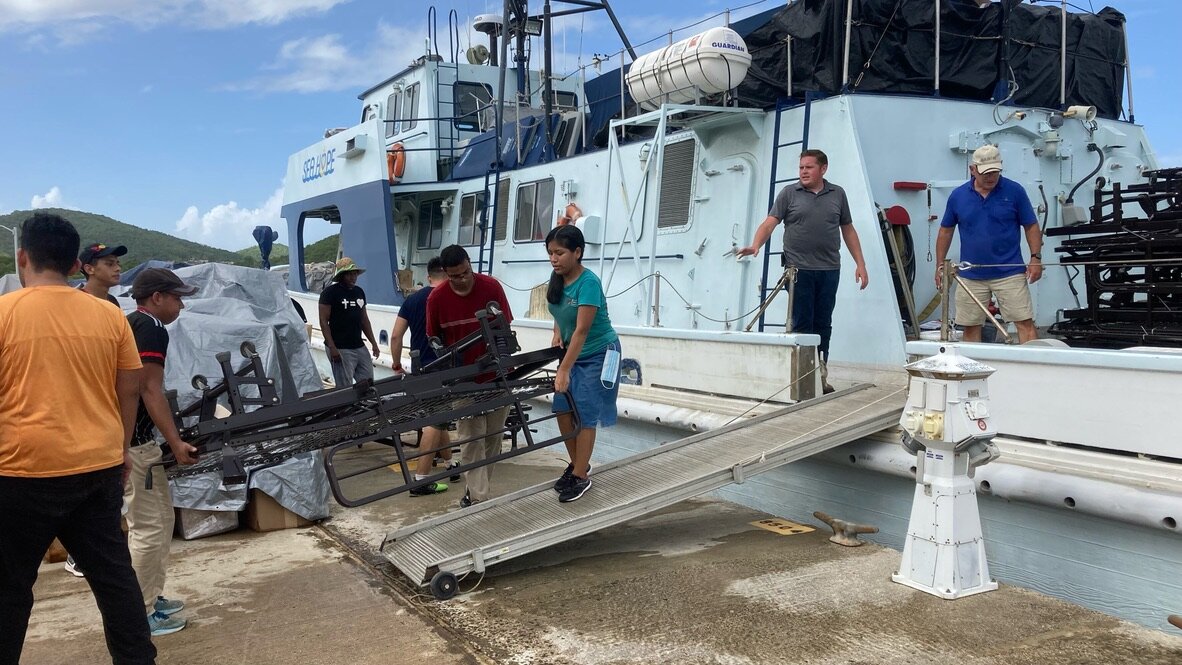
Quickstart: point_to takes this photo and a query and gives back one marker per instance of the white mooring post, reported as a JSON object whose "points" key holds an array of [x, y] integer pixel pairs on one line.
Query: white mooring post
{"points": [[947, 424]]}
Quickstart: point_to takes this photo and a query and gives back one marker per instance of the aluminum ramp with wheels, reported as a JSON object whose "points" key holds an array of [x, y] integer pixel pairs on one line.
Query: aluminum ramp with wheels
{"points": [[440, 549]]}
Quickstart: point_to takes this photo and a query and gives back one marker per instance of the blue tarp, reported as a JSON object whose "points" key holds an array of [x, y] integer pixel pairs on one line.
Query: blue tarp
{"points": [[478, 157]]}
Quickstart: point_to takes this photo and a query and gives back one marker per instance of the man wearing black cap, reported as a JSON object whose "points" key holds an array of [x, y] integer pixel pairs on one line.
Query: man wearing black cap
{"points": [[100, 266], [157, 293]]}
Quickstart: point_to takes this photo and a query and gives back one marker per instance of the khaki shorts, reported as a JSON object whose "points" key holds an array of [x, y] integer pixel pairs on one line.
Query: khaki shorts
{"points": [[1012, 293]]}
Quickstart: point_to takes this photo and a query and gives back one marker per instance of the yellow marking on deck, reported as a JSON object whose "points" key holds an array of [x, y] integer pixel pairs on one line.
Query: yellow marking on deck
{"points": [[782, 527]]}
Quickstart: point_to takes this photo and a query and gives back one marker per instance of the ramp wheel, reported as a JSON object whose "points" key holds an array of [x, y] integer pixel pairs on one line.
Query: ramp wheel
{"points": [[200, 382], [248, 350], [444, 585]]}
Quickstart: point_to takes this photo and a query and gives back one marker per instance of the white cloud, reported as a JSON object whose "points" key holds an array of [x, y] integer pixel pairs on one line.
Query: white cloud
{"points": [[228, 225], [219, 13], [325, 63], [51, 199], [77, 20]]}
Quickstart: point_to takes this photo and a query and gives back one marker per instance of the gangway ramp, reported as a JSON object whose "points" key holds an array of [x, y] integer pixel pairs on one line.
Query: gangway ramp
{"points": [[438, 550]]}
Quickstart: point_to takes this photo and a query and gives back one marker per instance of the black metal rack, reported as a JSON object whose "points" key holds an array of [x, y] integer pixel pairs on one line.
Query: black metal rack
{"points": [[339, 419], [1132, 266]]}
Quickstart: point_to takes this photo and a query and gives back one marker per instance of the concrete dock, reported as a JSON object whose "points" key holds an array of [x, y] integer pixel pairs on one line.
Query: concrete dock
{"points": [[701, 582]]}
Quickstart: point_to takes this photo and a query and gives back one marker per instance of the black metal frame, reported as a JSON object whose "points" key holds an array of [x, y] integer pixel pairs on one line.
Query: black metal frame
{"points": [[1132, 266], [337, 419]]}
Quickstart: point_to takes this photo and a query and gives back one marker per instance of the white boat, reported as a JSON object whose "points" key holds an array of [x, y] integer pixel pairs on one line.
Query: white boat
{"points": [[1085, 500]]}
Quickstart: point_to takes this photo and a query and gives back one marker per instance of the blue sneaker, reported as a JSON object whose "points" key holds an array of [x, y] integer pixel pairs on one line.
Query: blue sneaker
{"points": [[168, 607], [162, 624]]}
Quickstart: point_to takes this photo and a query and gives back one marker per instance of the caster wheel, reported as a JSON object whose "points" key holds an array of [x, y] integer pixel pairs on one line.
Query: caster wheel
{"points": [[444, 585], [248, 350], [200, 382]]}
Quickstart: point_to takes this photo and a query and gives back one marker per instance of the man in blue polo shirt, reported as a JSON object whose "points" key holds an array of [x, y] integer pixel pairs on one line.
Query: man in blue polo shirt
{"points": [[991, 213], [816, 217]]}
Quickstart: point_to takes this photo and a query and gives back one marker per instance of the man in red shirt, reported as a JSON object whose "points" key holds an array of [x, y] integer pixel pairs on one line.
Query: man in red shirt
{"points": [[451, 316]]}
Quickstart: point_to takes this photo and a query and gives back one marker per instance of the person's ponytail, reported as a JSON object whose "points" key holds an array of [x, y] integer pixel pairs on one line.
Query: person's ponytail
{"points": [[554, 290]]}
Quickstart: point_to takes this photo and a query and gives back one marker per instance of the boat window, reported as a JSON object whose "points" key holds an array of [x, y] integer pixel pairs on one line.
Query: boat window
{"points": [[502, 226], [535, 207], [430, 231], [470, 210], [566, 101], [410, 107], [677, 180], [470, 100], [393, 106]]}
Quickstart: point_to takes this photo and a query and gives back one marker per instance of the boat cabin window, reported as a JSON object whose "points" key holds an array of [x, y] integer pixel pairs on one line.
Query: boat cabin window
{"points": [[410, 107], [393, 107], [430, 231], [535, 208], [502, 224], [470, 210], [565, 101], [677, 184], [470, 100]]}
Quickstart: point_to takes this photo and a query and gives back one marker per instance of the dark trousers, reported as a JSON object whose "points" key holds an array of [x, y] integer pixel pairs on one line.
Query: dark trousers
{"points": [[812, 307], [82, 511]]}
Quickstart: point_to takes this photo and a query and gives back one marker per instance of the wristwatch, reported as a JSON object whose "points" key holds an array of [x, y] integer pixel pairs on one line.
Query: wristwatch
{"points": [[1036, 255]]}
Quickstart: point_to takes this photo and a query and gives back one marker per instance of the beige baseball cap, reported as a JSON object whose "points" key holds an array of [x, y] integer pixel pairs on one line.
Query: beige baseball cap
{"points": [[987, 159]]}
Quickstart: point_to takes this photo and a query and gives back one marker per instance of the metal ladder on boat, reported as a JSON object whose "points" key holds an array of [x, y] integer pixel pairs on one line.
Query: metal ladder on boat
{"points": [[490, 205], [438, 551], [445, 96], [765, 285]]}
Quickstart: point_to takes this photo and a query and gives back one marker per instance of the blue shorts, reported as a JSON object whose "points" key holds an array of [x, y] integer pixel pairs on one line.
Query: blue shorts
{"points": [[594, 401]]}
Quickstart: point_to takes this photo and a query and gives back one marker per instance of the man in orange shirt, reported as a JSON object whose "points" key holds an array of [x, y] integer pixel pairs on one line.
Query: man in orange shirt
{"points": [[62, 465]]}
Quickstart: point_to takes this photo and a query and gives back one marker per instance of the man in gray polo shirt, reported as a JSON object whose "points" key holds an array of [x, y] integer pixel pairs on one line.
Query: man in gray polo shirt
{"points": [[815, 214]]}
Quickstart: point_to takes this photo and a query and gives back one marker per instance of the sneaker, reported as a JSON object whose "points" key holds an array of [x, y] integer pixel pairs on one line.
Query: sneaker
{"points": [[72, 568], [429, 488], [565, 479], [162, 624], [466, 500], [168, 607], [456, 476], [577, 487], [826, 388]]}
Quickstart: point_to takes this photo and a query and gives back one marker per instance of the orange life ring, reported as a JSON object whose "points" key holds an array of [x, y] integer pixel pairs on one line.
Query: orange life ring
{"points": [[569, 215], [396, 162]]}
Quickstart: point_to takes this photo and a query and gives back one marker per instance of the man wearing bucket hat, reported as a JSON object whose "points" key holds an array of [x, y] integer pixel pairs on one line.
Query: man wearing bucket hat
{"points": [[100, 267], [991, 213], [343, 319]]}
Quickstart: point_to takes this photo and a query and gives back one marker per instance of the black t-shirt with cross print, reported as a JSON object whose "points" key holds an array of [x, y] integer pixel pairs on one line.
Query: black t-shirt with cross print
{"points": [[344, 319]]}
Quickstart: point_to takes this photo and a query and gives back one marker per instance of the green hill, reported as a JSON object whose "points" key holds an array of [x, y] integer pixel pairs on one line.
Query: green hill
{"points": [[320, 251], [251, 255], [142, 244]]}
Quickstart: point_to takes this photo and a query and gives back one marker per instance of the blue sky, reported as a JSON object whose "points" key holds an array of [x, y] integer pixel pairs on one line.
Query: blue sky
{"points": [[179, 115]]}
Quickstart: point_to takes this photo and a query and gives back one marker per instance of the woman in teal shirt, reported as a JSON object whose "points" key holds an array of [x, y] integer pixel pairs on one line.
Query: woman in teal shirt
{"points": [[590, 369]]}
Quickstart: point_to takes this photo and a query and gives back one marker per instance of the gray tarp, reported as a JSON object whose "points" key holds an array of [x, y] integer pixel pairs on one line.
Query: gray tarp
{"points": [[232, 305]]}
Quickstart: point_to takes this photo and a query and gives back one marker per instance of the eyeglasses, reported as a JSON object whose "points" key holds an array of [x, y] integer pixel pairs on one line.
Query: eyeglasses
{"points": [[460, 277]]}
